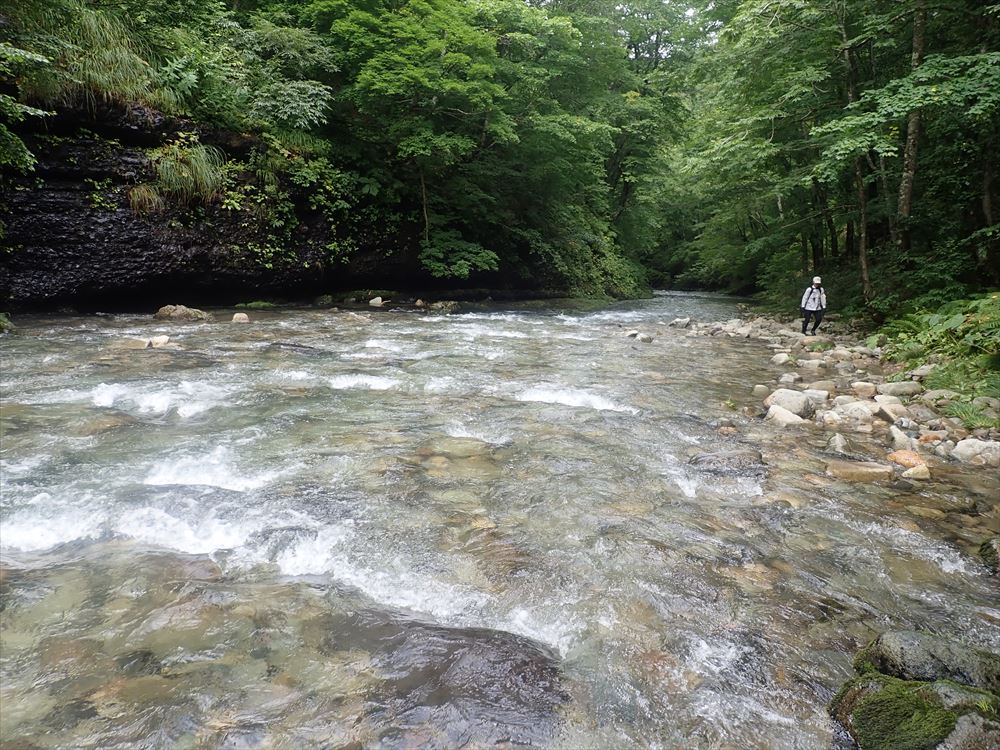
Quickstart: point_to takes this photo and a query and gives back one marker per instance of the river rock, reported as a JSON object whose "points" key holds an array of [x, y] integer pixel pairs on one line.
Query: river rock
{"points": [[240, 318], [858, 471], [376, 302], [891, 412], [823, 385], [864, 389], [915, 655], [181, 313], [679, 323], [789, 377], [816, 397], [906, 458], [920, 472], [972, 732], [796, 402], [761, 391], [904, 388], [842, 445], [644, 338], [901, 441], [977, 452], [939, 395], [730, 462], [884, 713], [989, 552], [921, 372], [844, 400], [780, 358], [782, 417], [474, 672], [811, 364], [857, 412], [131, 343]]}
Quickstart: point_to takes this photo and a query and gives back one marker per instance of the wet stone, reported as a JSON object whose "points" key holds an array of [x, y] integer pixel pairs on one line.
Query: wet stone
{"points": [[730, 462]]}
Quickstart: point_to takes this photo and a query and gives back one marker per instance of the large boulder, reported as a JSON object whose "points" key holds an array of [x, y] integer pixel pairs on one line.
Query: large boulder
{"points": [[989, 552], [977, 452], [913, 655], [796, 402], [181, 313]]}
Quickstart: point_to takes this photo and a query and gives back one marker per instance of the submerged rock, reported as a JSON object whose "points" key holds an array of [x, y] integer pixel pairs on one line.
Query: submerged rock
{"points": [[730, 462], [858, 471], [181, 313], [907, 458], [449, 679]]}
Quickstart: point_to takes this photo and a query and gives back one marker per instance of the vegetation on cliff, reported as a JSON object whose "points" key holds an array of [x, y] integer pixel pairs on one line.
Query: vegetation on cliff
{"points": [[735, 144]]}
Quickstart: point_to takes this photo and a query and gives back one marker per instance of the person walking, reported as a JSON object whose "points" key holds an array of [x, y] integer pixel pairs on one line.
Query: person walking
{"points": [[813, 305]]}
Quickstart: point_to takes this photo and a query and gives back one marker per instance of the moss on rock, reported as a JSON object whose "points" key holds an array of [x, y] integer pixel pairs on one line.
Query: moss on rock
{"points": [[886, 713]]}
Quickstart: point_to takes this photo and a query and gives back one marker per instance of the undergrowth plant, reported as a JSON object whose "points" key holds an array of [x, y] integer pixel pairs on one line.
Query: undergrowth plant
{"points": [[962, 339]]}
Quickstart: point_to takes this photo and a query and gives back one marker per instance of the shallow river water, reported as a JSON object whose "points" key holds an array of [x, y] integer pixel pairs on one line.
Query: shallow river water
{"points": [[408, 530]]}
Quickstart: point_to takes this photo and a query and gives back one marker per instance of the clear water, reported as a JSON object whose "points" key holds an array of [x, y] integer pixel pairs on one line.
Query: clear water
{"points": [[407, 530]]}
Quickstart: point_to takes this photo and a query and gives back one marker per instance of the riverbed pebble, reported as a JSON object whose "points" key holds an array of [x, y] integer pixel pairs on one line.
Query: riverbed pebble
{"points": [[782, 417]]}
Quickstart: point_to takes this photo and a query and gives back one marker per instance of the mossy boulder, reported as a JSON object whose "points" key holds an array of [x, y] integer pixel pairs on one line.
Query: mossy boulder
{"points": [[256, 305], [5, 324], [886, 713], [912, 655]]}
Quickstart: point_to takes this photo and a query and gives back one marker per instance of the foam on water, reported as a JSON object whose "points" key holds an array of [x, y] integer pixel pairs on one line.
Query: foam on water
{"points": [[459, 430], [193, 535], [215, 469], [188, 398], [315, 555], [36, 529], [369, 382], [572, 397]]}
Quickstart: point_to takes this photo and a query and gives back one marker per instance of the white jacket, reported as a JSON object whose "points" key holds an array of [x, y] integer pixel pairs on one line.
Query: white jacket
{"points": [[814, 299]]}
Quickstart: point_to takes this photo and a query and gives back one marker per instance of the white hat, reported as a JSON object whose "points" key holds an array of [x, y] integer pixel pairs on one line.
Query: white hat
{"points": [[817, 280]]}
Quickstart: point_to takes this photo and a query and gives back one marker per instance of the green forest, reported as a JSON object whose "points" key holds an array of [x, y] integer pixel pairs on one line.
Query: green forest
{"points": [[594, 147]]}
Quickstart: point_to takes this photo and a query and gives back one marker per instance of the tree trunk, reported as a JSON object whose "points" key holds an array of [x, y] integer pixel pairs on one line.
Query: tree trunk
{"points": [[423, 195], [992, 245], [905, 205], [849, 246], [866, 284], [859, 176]]}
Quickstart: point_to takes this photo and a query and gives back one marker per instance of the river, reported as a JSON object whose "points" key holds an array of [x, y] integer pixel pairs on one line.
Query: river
{"points": [[399, 529]]}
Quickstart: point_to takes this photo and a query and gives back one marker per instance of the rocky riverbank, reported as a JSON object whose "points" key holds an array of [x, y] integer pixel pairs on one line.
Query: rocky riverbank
{"points": [[838, 383]]}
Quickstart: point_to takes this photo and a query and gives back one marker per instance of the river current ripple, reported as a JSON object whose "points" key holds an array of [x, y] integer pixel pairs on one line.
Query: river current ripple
{"points": [[396, 529]]}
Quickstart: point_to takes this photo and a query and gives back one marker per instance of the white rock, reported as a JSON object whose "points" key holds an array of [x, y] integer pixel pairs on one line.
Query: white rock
{"points": [[892, 412], [241, 318], [977, 452], [817, 397], [779, 359], [644, 338], [796, 402], [917, 472], [420, 303], [844, 400], [782, 416], [900, 440], [790, 377], [811, 364], [679, 323], [159, 341], [632, 334], [905, 388], [376, 302]]}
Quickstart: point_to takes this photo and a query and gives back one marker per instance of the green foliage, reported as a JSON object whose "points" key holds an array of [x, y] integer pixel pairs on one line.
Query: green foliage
{"points": [[5, 324], [964, 336], [187, 170]]}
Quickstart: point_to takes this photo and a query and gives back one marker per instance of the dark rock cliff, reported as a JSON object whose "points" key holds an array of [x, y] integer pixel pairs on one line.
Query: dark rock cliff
{"points": [[72, 239]]}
